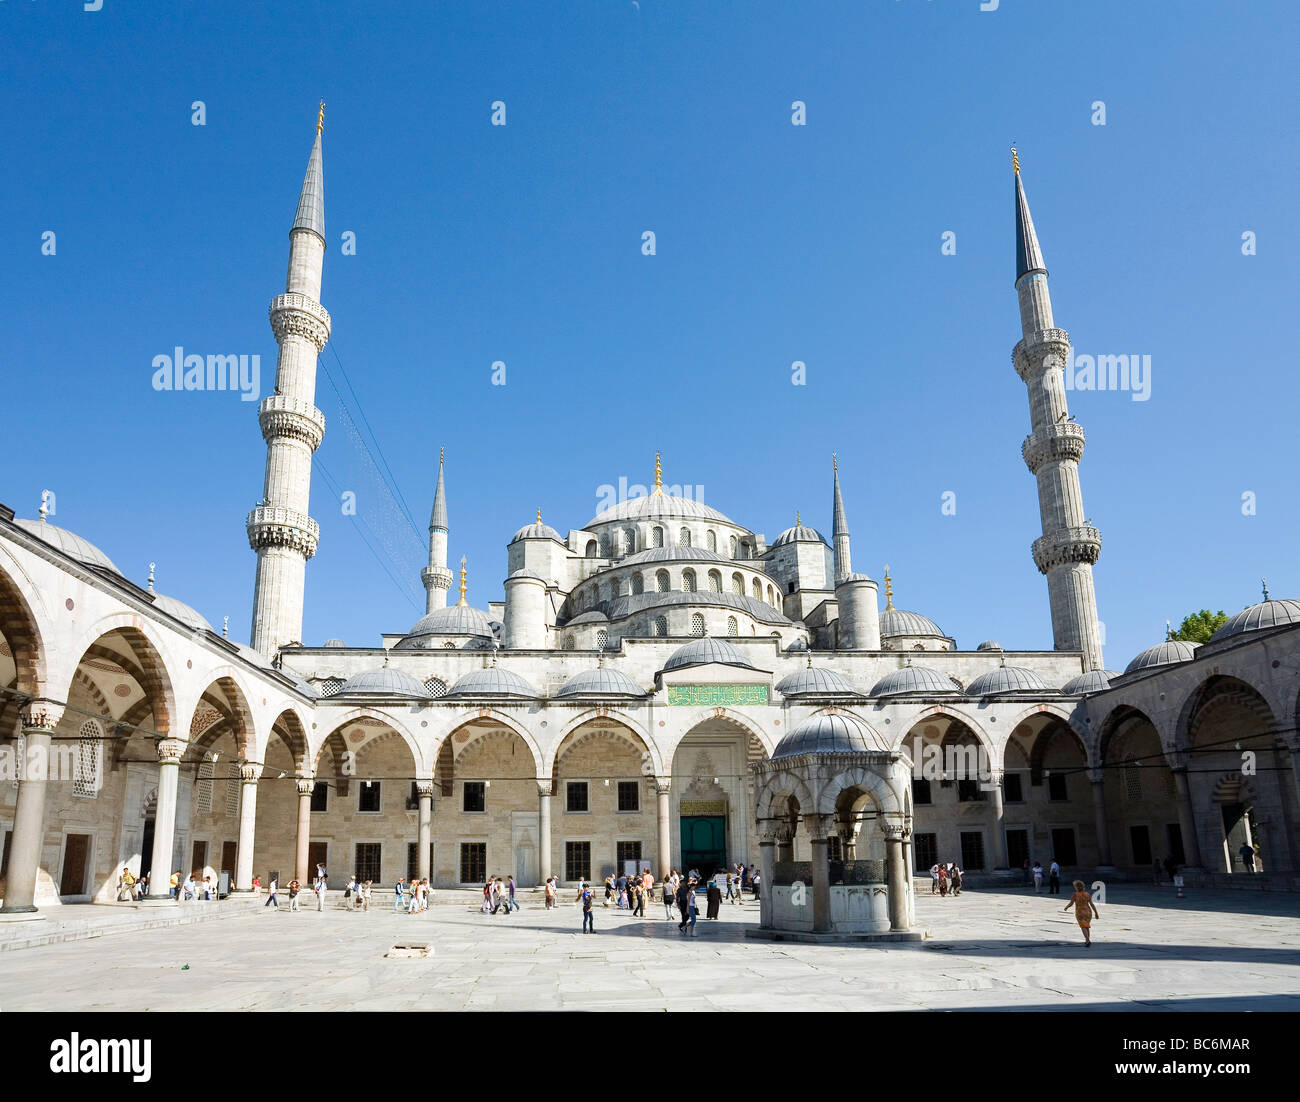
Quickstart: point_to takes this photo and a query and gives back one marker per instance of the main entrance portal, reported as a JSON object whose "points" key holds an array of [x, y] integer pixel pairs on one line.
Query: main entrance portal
{"points": [[704, 843]]}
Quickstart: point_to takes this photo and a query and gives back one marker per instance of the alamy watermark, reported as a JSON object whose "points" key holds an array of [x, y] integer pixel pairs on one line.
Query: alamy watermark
{"points": [[179, 371]]}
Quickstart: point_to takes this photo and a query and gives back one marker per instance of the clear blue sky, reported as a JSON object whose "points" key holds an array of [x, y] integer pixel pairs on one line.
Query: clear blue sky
{"points": [[775, 243]]}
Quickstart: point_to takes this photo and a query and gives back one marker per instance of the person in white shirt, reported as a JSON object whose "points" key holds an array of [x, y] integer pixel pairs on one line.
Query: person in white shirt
{"points": [[320, 889]]}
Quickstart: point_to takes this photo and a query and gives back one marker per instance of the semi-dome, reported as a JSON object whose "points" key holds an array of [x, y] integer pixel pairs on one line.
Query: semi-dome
{"points": [[1008, 679], [492, 682], [701, 652], [537, 531], [179, 610], [816, 680], [674, 552], [798, 534], [897, 623], [1168, 653], [385, 680], [453, 620], [630, 604], [830, 733], [71, 544], [1094, 681], [914, 679], [657, 505], [1266, 614], [600, 682], [594, 616]]}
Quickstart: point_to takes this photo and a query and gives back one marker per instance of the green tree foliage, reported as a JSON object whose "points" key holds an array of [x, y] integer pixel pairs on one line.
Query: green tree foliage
{"points": [[1199, 626]]}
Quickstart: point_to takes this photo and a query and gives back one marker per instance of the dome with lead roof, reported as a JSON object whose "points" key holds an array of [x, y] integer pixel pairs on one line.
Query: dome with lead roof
{"points": [[815, 680], [1008, 679], [1266, 614], [702, 652], [492, 682], [658, 506], [453, 620], [1168, 653], [915, 679], [1094, 681], [71, 544], [385, 681], [897, 623], [600, 682], [830, 733], [798, 534], [179, 610]]}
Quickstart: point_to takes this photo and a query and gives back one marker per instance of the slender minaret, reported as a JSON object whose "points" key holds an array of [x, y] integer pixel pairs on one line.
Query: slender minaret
{"points": [[840, 531], [279, 529], [1069, 545], [436, 577]]}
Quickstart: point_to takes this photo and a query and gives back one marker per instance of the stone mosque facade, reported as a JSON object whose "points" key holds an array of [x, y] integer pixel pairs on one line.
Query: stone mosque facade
{"points": [[661, 687]]}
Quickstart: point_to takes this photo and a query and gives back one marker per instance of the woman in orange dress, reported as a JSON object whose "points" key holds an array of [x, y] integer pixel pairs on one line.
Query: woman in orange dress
{"points": [[1084, 910]]}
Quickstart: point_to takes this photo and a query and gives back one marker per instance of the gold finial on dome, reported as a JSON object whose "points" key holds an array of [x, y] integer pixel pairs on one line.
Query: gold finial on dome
{"points": [[659, 476], [1015, 161], [463, 585], [797, 522], [889, 590], [1264, 582], [539, 514], [320, 118]]}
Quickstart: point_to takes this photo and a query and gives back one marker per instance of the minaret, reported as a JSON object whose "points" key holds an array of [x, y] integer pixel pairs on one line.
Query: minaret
{"points": [[1069, 545], [279, 529], [436, 577], [840, 531]]}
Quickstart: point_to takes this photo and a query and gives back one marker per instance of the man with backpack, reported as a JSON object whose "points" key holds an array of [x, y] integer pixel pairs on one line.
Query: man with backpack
{"points": [[588, 915]]}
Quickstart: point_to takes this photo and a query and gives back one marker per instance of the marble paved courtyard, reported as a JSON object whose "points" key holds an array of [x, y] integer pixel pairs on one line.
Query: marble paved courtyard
{"points": [[993, 949]]}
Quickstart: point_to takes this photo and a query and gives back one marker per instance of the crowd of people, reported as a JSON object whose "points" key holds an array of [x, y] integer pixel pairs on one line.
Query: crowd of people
{"points": [[945, 878], [678, 893]]}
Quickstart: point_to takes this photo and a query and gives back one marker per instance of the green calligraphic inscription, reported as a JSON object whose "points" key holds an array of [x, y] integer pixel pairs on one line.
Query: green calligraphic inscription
{"points": [[717, 696]]}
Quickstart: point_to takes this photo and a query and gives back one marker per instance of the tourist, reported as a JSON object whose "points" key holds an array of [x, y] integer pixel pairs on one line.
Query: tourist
{"points": [[588, 914], [320, 889], [647, 881], [142, 887], [683, 905], [1054, 878], [752, 872], [294, 889], [175, 882], [486, 906], [934, 878], [365, 896], [642, 894], [349, 892], [758, 877], [189, 889], [669, 892], [399, 903], [731, 895], [943, 881], [609, 889], [620, 890], [954, 875], [272, 899], [514, 903], [500, 900], [1084, 911], [1247, 852], [209, 889], [125, 886], [257, 887], [690, 906], [550, 893], [714, 897], [1028, 875], [1038, 877]]}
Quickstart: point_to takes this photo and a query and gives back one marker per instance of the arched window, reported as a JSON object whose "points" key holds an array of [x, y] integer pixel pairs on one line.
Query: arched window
{"points": [[771, 596], [604, 545], [570, 643], [602, 639], [629, 541], [615, 587], [202, 786], [731, 545], [711, 540], [756, 590], [591, 549], [661, 627], [688, 580], [656, 536], [738, 584], [436, 686], [733, 628], [697, 624], [684, 537], [715, 581], [662, 582], [638, 586], [449, 645]]}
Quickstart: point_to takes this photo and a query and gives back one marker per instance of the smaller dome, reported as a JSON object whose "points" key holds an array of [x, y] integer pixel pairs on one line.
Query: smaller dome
{"points": [[1008, 679], [813, 680], [1094, 681], [798, 534], [335, 643], [71, 544], [989, 644], [701, 652], [527, 574], [914, 679], [537, 531], [898, 623], [179, 610], [674, 552], [385, 680], [454, 620], [600, 682], [1168, 653], [1266, 614], [492, 682], [830, 733], [798, 646], [595, 616]]}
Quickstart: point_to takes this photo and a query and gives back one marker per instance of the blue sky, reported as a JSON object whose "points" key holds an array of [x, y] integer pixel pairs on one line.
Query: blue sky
{"points": [[775, 243]]}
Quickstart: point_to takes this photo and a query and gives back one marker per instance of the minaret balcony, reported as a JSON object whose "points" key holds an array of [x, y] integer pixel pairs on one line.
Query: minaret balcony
{"points": [[282, 415], [1039, 351], [297, 315], [1077, 544], [1056, 443], [436, 577], [276, 526]]}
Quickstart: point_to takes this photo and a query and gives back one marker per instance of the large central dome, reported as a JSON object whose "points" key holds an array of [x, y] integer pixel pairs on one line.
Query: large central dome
{"points": [[655, 506]]}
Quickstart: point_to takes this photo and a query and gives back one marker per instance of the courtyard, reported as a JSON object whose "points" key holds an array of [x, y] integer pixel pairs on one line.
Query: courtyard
{"points": [[993, 949]]}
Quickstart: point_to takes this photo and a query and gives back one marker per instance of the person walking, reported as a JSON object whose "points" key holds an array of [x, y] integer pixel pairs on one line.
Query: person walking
{"points": [[294, 889], [1084, 911], [642, 893], [1038, 878], [691, 907], [757, 885], [683, 905], [175, 885], [934, 878], [501, 900], [669, 897], [588, 915], [550, 893], [1247, 852], [350, 892], [714, 897], [1054, 878], [943, 881], [514, 903], [272, 893], [955, 876], [125, 886], [365, 895], [609, 890], [320, 889], [731, 895]]}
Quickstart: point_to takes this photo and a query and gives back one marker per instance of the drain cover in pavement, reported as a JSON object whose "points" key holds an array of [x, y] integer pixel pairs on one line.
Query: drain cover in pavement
{"points": [[410, 951]]}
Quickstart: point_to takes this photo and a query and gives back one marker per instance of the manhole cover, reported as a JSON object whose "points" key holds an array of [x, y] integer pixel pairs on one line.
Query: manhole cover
{"points": [[410, 950]]}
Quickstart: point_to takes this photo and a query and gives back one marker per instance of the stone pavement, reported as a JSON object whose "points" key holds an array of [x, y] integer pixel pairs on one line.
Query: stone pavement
{"points": [[1003, 949]]}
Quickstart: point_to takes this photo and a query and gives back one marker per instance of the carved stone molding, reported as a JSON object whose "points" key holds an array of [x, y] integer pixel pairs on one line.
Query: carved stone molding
{"points": [[282, 416], [276, 526], [424, 789], [305, 785], [1078, 544], [41, 714], [1042, 351], [170, 751], [295, 315], [251, 771], [1057, 442]]}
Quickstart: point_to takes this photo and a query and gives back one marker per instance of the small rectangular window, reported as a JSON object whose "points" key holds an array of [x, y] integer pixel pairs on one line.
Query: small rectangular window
{"points": [[1012, 793], [473, 862], [367, 859], [1056, 788], [577, 861], [628, 852], [834, 848], [972, 849], [475, 799], [969, 791], [368, 797], [575, 798], [925, 851], [920, 790], [629, 796], [320, 796]]}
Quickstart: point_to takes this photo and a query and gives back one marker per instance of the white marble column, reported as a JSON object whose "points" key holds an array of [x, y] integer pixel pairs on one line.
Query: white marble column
{"points": [[39, 719], [664, 804], [896, 874], [544, 827], [767, 882], [164, 823], [998, 800], [250, 772], [302, 852], [1099, 813], [424, 789]]}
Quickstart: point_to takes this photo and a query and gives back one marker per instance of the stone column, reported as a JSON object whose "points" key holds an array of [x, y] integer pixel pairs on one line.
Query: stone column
{"points": [[1099, 811], [424, 789], [544, 827], [819, 827], [1186, 820], [896, 874], [996, 797], [164, 823], [785, 843], [302, 851], [249, 774], [662, 791], [39, 718], [767, 884]]}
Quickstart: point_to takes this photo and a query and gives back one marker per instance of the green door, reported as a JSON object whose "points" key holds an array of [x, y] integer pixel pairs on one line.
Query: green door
{"points": [[704, 843]]}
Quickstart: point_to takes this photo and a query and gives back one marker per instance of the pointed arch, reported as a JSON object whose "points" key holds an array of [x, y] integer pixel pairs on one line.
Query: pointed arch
{"points": [[337, 723]]}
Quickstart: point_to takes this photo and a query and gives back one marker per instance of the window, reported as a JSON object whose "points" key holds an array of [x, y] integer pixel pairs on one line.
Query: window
{"points": [[330, 686], [731, 546], [972, 849], [834, 848], [628, 853], [756, 590], [367, 862], [715, 581], [604, 545], [449, 645], [661, 627], [638, 586], [570, 643], [436, 686], [920, 790], [662, 582], [576, 797], [1012, 793], [413, 797], [320, 796], [684, 537], [1133, 786], [602, 639], [1057, 791], [368, 798], [615, 588], [925, 851], [473, 862], [1140, 839], [629, 796], [1063, 846], [202, 788], [969, 791], [629, 540], [697, 624], [592, 548], [711, 540], [771, 596], [577, 861], [688, 580], [738, 585], [475, 798], [1017, 848], [733, 626], [232, 794], [656, 536]]}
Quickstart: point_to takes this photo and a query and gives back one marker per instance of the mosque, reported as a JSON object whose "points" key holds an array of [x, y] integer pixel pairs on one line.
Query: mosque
{"points": [[661, 687]]}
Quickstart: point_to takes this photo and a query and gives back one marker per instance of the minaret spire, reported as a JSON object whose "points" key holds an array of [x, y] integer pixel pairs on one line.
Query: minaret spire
{"points": [[436, 577], [280, 529], [840, 530], [1069, 545]]}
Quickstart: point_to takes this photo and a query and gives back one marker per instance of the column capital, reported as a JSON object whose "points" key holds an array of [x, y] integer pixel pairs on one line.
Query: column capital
{"points": [[250, 772], [1097, 776], [171, 750], [545, 787], [424, 789], [40, 714], [819, 827], [662, 787], [305, 785]]}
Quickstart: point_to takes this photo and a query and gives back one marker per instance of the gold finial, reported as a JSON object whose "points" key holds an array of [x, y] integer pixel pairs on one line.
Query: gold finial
{"points": [[835, 462], [889, 590], [441, 453], [539, 514], [659, 475], [797, 522], [463, 585], [1015, 160], [320, 119]]}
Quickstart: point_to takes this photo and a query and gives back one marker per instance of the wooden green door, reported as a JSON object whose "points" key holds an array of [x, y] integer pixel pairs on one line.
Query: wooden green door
{"points": [[704, 843]]}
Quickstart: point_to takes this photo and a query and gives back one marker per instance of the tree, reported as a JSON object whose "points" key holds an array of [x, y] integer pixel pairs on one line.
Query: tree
{"points": [[1199, 626]]}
